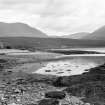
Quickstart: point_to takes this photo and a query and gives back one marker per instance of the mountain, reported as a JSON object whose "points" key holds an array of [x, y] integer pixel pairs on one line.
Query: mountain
{"points": [[76, 35], [19, 29], [99, 34]]}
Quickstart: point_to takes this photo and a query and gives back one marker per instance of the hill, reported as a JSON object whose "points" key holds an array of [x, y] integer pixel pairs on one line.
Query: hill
{"points": [[99, 34], [18, 30], [76, 35]]}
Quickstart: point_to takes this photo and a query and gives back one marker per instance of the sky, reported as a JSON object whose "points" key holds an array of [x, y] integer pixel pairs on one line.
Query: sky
{"points": [[55, 17]]}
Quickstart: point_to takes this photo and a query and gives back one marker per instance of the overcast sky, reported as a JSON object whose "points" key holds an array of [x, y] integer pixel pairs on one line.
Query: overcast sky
{"points": [[55, 17]]}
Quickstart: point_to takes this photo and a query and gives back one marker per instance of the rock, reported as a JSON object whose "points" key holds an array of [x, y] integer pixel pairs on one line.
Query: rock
{"points": [[31, 104], [96, 104], [65, 104], [87, 103], [49, 102], [3, 61], [17, 91], [13, 104], [55, 94]]}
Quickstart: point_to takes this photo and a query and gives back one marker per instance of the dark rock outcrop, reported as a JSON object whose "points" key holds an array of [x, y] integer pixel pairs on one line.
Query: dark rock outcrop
{"points": [[55, 94], [91, 75], [90, 85], [31, 104], [49, 102]]}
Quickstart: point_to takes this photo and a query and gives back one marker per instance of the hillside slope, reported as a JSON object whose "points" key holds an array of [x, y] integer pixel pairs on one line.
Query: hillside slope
{"points": [[99, 34], [19, 29], [76, 35]]}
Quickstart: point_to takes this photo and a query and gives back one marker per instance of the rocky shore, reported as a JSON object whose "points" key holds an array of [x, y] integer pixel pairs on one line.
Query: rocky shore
{"points": [[20, 88], [89, 85]]}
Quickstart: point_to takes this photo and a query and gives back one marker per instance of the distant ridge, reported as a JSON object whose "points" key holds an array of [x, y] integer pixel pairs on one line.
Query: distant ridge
{"points": [[76, 35], [19, 30], [99, 34]]}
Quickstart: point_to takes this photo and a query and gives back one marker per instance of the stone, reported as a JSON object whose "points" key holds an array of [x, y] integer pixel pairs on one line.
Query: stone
{"points": [[49, 102], [55, 94]]}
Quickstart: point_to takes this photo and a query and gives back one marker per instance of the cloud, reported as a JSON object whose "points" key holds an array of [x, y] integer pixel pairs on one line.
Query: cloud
{"points": [[55, 17]]}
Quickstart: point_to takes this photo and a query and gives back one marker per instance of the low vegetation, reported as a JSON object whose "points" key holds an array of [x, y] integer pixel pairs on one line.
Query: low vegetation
{"points": [[35, 89], [48, 43], [89, 85]]}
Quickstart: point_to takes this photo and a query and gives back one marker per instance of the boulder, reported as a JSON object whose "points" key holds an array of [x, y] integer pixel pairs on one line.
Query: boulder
{"points": [[96, 104], [55, 94], [31, 104], [49, 102]]}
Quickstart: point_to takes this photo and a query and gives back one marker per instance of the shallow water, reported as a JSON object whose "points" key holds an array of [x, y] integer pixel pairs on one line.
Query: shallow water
{"points": [[12, 51], [71, 66], [62, 65]]}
